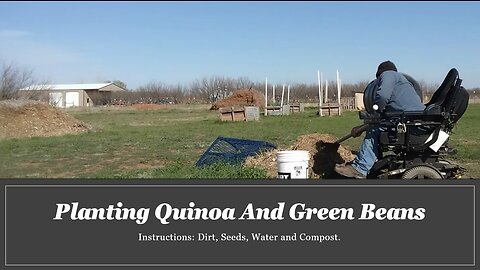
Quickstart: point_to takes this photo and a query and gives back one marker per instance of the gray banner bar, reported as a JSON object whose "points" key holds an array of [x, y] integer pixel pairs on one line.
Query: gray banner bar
{"points": [[239, 225]]}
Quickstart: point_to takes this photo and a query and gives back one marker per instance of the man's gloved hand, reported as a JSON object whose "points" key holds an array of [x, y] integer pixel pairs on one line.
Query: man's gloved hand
{"points": [[358, 130]]}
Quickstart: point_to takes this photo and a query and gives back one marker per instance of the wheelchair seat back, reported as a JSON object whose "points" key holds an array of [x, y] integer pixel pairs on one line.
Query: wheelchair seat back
{"points": [[417, 131], [438, 97], [456, 104]]}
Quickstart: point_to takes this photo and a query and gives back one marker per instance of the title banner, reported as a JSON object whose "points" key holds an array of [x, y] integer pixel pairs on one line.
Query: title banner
{"points": [[239, 225]]}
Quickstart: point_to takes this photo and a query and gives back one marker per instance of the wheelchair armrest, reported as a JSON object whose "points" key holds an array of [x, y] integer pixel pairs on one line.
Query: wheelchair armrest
{"points": [[369, 117], [425, 115], [407, 114]]}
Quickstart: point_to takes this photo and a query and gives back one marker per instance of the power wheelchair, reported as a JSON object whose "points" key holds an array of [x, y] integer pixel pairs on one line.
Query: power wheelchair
{"points": [[414, 145]]}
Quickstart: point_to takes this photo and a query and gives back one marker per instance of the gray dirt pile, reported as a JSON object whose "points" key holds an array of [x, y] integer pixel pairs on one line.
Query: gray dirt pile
{"points": [[322, 158], [20, 119], [240, 98]]}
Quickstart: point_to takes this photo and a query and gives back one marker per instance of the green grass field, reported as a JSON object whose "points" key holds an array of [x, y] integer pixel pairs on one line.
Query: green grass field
{"points": [[166, 143]]}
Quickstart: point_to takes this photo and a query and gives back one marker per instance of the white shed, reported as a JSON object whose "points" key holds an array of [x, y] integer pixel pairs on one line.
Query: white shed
{"points": [[76, 95]]}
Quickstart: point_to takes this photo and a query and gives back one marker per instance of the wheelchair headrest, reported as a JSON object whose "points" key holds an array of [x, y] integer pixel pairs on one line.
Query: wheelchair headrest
{"points": [[441, 93], [450, 98]]}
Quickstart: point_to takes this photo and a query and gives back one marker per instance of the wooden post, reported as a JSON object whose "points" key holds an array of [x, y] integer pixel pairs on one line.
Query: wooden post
{"points": [[288, 94], [266, 95], [339, 90], [326, 96], [319, 94], [326, 85], [321, 81], [273, 95]]}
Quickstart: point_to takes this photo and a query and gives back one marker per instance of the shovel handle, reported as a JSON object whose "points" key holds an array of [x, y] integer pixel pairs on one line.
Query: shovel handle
{"points": [[348, 136], [361, 129], [344, 138]]}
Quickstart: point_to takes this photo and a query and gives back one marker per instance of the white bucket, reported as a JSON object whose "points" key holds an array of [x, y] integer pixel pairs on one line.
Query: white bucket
{"points": [[292, 164]]}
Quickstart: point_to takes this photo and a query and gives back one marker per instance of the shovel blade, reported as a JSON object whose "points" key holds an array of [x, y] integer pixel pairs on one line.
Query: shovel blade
{"points": [[331, 147]]}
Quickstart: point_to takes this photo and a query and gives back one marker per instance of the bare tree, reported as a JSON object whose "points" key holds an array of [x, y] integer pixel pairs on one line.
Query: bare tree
{"points": [[13, 78], [243, 83], [349, 89], [213, 88], [178, 93], [216, 88], [426, 87], [153, 86], [158, 92]]}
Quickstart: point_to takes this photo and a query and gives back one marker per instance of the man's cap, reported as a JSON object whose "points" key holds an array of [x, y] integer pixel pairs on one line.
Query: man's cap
{"points": [[387, 65]]}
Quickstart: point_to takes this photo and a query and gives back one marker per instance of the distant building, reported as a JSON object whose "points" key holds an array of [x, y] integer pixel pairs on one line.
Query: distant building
{"points": [[77, 95], [359, 105]]}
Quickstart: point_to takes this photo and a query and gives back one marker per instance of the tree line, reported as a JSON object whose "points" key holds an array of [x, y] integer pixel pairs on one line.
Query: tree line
{"points": [[205, 90]]}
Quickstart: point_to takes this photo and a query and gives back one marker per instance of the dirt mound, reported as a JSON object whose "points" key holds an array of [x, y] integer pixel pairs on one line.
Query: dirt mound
{"points": [[29, 118], [323, 156], [241, 98], [266, 160]]}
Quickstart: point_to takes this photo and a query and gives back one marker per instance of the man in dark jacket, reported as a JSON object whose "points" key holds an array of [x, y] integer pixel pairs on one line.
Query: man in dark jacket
{"points": [[394, 93]]}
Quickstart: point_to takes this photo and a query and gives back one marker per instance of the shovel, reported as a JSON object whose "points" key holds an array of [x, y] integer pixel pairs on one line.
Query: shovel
{"points": [[333, 147]]}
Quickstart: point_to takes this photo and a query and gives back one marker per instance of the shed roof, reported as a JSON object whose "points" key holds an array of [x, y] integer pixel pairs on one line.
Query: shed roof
{"points": [[79, 86]]}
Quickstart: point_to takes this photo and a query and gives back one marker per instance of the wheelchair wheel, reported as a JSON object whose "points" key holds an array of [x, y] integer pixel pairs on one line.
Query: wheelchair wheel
{"points": [[422, 172]]}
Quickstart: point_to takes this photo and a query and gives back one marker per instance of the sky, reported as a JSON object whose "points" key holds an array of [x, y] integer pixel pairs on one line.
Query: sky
{"points": [[286, 42]]}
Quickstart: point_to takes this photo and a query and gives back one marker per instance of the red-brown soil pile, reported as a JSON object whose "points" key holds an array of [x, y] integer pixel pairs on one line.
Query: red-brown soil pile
{"points": [[241, 98]]}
